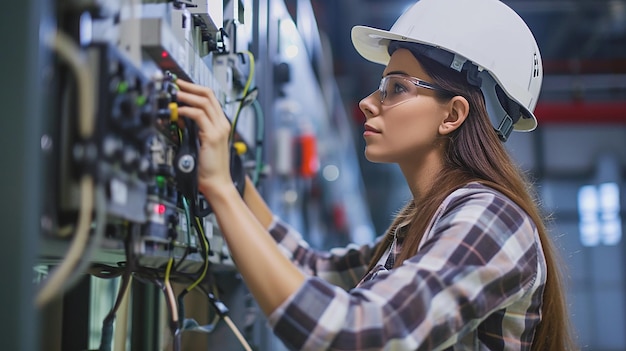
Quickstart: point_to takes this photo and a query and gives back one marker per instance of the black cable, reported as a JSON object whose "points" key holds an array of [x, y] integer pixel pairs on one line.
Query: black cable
{"points": [[107, 324]]}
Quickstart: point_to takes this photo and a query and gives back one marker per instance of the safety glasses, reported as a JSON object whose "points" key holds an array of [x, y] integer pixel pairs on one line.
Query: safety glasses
{"points": [[397, 88]]}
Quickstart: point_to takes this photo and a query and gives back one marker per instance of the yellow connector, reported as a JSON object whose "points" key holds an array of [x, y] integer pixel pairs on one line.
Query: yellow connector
{"points": [[240, 147], [173, 111]]}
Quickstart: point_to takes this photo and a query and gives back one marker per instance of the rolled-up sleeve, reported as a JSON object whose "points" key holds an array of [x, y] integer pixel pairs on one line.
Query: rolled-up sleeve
{"points": [[481, 256]]}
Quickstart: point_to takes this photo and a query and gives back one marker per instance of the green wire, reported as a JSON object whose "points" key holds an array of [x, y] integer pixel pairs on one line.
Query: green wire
{"points": [[260, 131], [188, 216]]}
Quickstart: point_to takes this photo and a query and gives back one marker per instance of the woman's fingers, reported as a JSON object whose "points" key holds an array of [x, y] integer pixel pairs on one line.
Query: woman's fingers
{"points": [[202, 106], [199, 91], [197, 115], [199, 101], [191, 87]]}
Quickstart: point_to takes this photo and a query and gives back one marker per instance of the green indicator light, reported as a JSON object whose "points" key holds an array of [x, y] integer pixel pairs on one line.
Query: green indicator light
{"points": [[160, 180], [141, 100], [122, 87]]}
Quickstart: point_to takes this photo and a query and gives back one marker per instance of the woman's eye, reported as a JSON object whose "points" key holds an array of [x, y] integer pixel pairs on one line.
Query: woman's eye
{"points": [[398, 88]]}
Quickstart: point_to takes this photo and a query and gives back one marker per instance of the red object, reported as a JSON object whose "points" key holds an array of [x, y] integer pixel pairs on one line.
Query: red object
{"points": [[581, 112], [159, 209], [309, 161], [164, 54]]}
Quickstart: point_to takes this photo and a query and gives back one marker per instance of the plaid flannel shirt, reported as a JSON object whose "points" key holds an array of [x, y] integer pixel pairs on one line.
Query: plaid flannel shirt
{"points": [[476, 283]]}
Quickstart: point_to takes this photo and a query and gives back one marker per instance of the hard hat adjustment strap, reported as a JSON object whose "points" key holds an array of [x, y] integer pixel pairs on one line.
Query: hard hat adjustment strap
{"points": [[501, 120]]}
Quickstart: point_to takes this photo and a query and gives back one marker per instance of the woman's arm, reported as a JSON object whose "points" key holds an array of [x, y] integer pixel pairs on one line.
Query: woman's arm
{"points": [[269, 275], [257, 205], [343, 266]]}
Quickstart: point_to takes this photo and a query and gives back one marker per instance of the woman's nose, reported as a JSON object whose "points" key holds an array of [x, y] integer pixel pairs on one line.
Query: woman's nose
{"points": [[370, 105]]}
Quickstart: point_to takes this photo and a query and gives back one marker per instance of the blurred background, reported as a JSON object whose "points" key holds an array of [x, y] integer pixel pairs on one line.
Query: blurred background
{"points": [[301, 140]]}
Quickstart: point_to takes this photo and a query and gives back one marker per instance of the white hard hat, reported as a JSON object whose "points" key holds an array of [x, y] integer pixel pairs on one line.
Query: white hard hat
{"points": [[485, 37]]}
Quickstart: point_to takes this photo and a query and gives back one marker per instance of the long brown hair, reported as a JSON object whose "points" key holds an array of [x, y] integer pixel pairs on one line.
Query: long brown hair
{"points": [[475, 153]]}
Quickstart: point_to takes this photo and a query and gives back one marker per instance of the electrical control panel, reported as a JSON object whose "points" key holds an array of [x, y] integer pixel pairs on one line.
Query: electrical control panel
{"points": [[114, 120], [122, 197], [140, 153]]}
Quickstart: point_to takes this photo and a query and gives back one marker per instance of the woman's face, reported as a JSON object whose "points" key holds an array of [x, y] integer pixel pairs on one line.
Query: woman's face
{"points": [[403, 128]]}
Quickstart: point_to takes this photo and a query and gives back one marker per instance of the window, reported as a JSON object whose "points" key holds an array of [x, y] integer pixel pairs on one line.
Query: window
{"points": [[599, 213]]}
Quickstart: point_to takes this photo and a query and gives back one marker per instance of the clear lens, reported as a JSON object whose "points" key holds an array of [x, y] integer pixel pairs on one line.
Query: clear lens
{"points": [[395, 89]]}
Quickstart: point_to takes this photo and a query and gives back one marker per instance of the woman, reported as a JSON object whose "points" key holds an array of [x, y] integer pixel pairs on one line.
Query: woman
{"points": [[467, 264]]}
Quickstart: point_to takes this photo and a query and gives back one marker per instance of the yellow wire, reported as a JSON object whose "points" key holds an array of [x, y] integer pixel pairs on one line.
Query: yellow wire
{"points": [[245, 92], [250, 74], [168, 269], [206, 261]]}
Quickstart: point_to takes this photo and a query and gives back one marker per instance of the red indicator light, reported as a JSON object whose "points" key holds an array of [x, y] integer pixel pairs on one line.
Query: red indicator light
{"points": [[164, 54], [159, 209]]}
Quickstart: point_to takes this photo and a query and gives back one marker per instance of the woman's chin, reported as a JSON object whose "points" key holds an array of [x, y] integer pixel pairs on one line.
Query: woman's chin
{"points": [[373, 157]]}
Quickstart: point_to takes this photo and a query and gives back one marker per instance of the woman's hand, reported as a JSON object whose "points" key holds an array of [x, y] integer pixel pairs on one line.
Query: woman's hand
{"points": [[270, 276], [213, 130]]}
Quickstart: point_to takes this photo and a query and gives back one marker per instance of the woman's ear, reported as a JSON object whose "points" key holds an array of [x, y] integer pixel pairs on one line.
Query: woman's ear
{"points": [[458, 109]]}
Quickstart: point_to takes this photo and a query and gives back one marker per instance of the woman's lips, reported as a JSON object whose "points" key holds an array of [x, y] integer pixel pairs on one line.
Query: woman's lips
{"points": [[369, 130]]}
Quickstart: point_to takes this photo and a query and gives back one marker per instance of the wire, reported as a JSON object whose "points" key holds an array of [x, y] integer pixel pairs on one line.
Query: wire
{"points": [[74, 57], [153, 276], [94, 242], [107, 324], [171, 304], [53, 285], [188, 222], [205, 269], [246, 89], [169, 292], [222, 311], [250, 73], [108, 335], [64, 45], [205, 243], [190, 324], [260, 136], [237, 333], [121, 327]]}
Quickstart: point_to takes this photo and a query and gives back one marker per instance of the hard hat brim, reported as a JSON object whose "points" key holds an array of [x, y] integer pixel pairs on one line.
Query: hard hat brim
{"points": [[372, 43]]}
